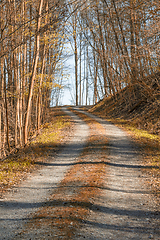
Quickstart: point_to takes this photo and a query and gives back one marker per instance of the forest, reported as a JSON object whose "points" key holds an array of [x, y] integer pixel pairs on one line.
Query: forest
{"points": [[115, 44]]}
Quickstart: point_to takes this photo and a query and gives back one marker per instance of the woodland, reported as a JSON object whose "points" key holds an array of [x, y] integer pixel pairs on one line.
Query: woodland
{"points": [[115, 44]]}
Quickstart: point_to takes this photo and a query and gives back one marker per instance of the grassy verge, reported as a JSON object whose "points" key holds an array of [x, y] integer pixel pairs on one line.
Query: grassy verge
{"points": [[14, 168]]}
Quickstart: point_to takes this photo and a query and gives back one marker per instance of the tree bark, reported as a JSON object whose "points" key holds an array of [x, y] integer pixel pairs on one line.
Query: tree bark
{"points": [[33, 73], [75, 55]]}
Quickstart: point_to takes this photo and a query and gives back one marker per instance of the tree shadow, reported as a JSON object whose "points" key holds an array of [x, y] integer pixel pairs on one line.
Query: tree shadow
{"points": [[139, 214]]}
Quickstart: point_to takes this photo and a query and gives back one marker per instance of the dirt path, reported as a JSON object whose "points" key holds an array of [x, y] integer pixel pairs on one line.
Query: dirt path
{"points": [[33, 193], [98, 194]]}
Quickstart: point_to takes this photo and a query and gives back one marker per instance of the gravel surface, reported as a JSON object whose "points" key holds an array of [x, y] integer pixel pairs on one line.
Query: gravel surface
{"points": [[126, 209], [27, 198]]}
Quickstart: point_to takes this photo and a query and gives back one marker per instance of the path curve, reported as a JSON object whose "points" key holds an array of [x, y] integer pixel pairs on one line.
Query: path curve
{"points": [[34, 192], [126, 210]]}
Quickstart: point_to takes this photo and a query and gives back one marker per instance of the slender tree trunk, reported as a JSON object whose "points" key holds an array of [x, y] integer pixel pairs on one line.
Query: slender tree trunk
{"points": [[33, 73], [39, 107], [6, 112], [80, 71], [16, 100], [132, 42], [40, 92], [0, 130], [87, 75], [84, 76], [75, 55], [3, 108], [95, 76]]}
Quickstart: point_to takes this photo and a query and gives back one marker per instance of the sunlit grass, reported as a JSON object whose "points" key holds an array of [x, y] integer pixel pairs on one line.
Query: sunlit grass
{"points": [[51, 131], [12, 169]]}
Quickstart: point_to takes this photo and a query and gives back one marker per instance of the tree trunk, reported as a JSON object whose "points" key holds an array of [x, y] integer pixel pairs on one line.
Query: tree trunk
{"points": [[33, 73], [0, 130], [75, 55], [6, 112]]}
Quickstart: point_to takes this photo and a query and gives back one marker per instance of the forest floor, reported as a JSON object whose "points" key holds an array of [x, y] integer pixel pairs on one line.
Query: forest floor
{"points": [[93, 187]]}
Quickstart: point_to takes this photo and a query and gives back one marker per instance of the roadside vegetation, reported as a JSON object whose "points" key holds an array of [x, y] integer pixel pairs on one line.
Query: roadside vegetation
{"points": [[15, 167]]}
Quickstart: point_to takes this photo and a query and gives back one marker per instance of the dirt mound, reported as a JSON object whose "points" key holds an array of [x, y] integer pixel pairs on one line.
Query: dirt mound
{"points": [[139, 103]]}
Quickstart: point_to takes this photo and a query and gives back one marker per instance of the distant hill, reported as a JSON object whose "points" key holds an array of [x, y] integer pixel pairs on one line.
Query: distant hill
{"points": [[139, 103]]}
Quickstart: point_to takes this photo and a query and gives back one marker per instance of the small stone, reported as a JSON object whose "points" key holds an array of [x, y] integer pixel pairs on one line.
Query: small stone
{"points": [[151, 236]]}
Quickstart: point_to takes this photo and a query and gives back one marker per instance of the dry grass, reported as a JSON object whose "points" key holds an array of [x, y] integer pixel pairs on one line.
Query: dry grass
{"points": [[16, 167]]}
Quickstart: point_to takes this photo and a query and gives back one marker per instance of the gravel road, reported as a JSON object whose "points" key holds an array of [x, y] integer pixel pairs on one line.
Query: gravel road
{"points": [[16, 206], [125, 210]]}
